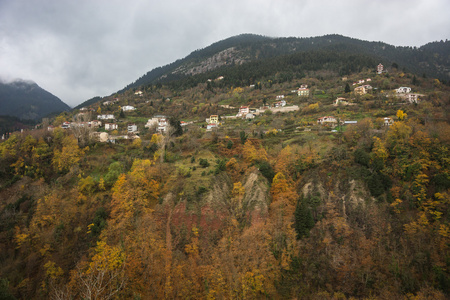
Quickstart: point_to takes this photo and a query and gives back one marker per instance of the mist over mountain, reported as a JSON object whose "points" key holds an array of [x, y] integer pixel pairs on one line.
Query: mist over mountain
{"points": [[26, 100]]}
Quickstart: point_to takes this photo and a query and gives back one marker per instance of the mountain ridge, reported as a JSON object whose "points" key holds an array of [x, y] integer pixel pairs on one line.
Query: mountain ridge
{"points": [[25, 99], [260, 47]]}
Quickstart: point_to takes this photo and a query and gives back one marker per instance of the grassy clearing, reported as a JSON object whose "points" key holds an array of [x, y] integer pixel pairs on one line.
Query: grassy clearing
{"points": [[195, 178]]}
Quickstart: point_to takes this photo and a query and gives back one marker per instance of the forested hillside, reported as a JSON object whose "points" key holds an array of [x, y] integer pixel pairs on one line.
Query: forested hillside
{"points": [[273, 203], [431, 60]]}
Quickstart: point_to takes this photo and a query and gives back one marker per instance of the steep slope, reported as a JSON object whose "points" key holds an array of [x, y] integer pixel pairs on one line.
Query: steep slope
{"points": [[26, 100]]}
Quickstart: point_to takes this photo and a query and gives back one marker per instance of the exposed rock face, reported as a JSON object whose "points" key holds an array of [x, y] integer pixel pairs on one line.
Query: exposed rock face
{"points": [[228, 56], [348, 193], [256, 196], [220, 191]]}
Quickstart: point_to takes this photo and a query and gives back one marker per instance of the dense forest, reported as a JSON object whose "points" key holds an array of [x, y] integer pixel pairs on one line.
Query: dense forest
{"points": [[276, 206]]}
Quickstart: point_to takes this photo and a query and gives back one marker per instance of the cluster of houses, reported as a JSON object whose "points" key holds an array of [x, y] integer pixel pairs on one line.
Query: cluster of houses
{"points": [[361, 81], [246, 112], [404, 92], [160, 122]]}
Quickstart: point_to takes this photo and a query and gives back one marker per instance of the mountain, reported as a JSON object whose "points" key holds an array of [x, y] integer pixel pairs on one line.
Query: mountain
{"points": [[432, 60], [26, 100]]}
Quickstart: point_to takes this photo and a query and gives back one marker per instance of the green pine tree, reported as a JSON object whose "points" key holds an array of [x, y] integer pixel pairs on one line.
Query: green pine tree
{"points": [[304, 220]]}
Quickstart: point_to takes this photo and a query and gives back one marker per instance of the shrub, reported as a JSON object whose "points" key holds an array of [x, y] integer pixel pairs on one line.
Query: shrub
{"points": [[266, 170], [362, 157], [204, 162], [184, 171], [221, 165], [201, 190]]}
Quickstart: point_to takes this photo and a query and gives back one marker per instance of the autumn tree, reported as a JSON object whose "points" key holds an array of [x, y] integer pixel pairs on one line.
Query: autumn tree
{"points": [[401, 115], [134, 194], [103, 277], [69, 154]]}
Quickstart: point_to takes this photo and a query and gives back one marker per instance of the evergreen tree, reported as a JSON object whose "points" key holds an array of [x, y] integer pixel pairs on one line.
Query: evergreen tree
{"points": [[347, 88], [176, 125], [304, 220]]}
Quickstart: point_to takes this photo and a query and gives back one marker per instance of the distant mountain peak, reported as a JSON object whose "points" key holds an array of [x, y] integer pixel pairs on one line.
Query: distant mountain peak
{"points": [[26, 100]]}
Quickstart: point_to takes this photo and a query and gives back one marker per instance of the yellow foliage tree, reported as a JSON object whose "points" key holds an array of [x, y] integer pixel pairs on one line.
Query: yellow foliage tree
{"points": [[134, 194], [249, 152], [69, 155], [379, 149], [104, 276], [284, 160], [401, 115]]}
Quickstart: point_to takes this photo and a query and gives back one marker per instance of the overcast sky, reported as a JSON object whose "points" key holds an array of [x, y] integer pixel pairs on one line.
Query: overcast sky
{"points": [[79, 49]]}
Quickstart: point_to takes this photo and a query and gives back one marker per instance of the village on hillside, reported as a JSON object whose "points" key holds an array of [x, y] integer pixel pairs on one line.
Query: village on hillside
{"points": [[111, 120]]}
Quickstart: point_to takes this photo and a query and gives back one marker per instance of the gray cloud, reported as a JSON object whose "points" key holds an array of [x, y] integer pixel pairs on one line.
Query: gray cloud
{"points": [[81, 49]]}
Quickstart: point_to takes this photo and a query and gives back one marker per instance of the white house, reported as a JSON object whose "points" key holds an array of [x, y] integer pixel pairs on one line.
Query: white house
{"points": [[341, 101], [132, 128], [211, 126], [403, 90], [327, 120], [138, 93], [153, 122], [280, 103], [388, 121], [95, 123], [163, 124], [110, 126], [249, 116], [128, 108], [105, 117], [65, 125], [412, 98], [243, 110], [279, 97]]}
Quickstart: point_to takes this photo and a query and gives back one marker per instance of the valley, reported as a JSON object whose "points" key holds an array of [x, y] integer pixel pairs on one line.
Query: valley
{"points": [[248, 181]]}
